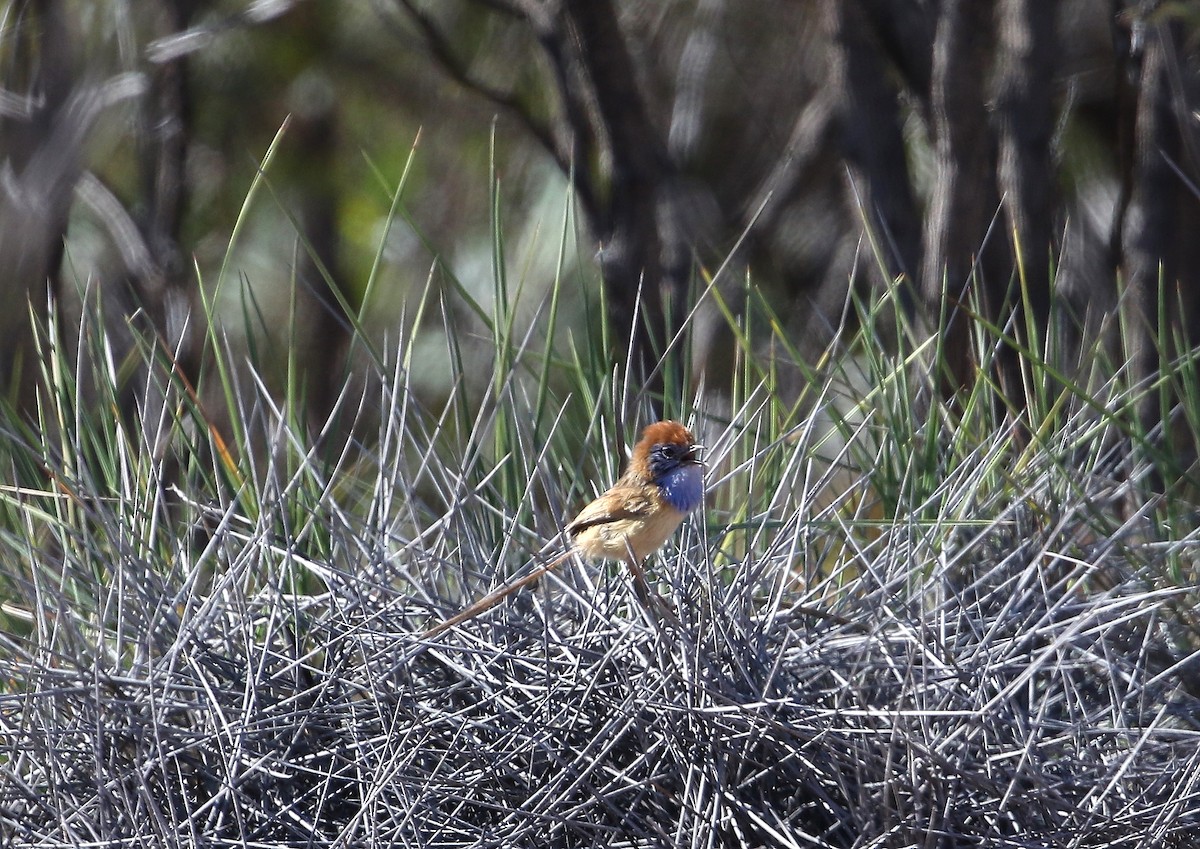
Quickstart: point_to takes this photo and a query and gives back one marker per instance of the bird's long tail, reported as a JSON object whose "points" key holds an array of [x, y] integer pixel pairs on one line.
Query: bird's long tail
{"points": [[496, 596]]}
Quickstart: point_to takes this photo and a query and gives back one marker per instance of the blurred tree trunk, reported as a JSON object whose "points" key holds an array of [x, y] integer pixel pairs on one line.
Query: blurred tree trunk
{"points": [[873, 146], [164, 134], [162, 284], [602, 135], [959, 250], [42, 147], [306, 182], [325, 334], [1025, 110], [1160, 249], [643, 248], [905, 30]]}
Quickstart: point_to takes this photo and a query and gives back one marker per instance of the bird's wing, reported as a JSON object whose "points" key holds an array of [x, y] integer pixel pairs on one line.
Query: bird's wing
{"points": [[613, 506]]}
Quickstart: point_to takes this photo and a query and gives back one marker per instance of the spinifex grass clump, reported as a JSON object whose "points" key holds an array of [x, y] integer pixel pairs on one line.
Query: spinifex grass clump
{"points": [[895, 626]]}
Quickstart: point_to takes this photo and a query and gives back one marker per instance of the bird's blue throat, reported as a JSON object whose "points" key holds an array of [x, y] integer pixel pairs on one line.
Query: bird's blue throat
{"points": [[682, 487]]}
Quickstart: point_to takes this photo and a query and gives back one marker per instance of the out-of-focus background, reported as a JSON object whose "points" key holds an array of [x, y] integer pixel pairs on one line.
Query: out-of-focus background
{"points": [[1028, 153], [342, 270]]}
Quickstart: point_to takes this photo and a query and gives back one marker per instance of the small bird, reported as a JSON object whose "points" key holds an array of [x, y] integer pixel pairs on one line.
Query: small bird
{"points": [[664, 482]]}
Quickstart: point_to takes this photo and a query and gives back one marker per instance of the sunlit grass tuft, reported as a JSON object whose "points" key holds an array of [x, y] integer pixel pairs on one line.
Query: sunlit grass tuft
{"points": [[898, 616]]}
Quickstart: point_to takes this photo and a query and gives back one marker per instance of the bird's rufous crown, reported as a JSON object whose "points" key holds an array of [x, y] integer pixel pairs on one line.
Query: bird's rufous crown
{"points": [[663, 432]]}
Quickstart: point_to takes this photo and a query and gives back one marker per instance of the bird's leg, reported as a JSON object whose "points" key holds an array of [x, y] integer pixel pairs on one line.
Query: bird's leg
{"points": [[641, 588]]}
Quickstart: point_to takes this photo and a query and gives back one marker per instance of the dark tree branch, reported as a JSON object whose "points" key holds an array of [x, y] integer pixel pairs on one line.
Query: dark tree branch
{"points": [[450, 62], [519, 9], [607, 143], [584, 162], [187, 41]]}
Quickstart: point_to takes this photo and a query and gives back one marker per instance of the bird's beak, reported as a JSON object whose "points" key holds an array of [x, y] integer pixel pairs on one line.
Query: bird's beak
{"points": [[693, 455]]}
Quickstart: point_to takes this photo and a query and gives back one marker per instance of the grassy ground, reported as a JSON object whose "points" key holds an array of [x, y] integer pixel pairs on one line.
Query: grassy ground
{"points": [[901, 622]]}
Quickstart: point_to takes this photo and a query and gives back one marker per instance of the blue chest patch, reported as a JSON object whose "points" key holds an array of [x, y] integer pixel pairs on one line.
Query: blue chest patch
{"points": [[683, 487]]}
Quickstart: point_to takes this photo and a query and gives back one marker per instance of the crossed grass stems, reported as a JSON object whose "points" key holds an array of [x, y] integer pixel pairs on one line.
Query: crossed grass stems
{"points": [[895, 626]]}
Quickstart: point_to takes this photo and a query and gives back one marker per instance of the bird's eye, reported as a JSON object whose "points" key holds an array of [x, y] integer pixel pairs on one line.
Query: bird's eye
{"points": [[669, 450]]}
